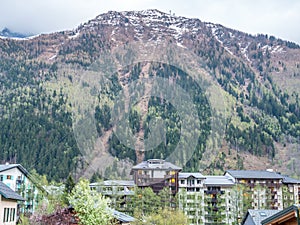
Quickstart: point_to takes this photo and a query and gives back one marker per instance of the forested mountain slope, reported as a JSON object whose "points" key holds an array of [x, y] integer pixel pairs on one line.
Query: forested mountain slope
{"points": [[50, 81]]}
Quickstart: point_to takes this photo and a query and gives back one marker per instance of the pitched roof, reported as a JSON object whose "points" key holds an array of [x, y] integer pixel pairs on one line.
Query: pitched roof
{"points": [[254, 217], [186, 175], [281, 213], [124, 218], [218, 180], [5, 167], [156, 164], [117, 183], [8, 193], [254, 174], [289, 180]]}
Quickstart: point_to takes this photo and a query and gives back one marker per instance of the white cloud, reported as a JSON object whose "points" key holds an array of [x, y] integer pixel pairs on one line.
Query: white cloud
{"points": [[275, 17]]}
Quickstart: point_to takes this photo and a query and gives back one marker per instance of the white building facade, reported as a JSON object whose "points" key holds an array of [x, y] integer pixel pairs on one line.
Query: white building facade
{"points": [[8, 205], [19, 180]]}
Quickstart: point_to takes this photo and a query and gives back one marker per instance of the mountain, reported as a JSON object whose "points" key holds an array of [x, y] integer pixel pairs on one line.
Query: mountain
{"points": [[10, 34], [65, 97]]}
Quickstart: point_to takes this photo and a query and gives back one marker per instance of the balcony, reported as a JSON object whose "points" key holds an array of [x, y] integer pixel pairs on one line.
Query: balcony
{"points": [[211, 200], [143, 176], [215, 200], [251, 185], [19, 181], [273, 185], [215, 223], [274, 192], [212, 209], [214, 192]]}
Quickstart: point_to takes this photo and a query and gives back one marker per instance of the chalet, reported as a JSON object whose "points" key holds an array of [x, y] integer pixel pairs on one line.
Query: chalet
{"points": [[254, 217], [157, 174], [19, 180], [288, 216], [8, 205]]}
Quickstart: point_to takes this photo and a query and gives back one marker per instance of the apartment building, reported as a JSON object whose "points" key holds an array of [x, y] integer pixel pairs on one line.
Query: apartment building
{"points": [[265, 187], [290, 191], [206, 199], [225, 199], [191, 196], [119, 192], [215, 200]]}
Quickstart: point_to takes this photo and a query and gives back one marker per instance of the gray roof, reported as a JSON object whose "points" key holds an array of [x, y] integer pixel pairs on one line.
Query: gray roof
{"points": [[254, 174], [156, 164], [289, 180], [5, 167], [218, 181], [8, 193], [186, 175], [280, 213], [127, 183], [254, 217], [124, 218]]}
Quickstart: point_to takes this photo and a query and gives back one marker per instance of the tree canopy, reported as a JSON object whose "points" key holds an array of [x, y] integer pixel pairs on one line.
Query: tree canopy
{"points": [[91, 207]]}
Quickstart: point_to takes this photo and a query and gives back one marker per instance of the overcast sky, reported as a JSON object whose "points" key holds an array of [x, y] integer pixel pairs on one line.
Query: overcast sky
{"points": [[280, 18]]}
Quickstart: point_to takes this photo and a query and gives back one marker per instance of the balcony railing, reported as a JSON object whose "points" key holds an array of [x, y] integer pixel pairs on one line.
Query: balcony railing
{"points": [[273, 185], [19, 181], [214, 192]]}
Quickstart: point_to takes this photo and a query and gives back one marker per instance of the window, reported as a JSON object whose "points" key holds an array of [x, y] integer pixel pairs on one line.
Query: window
{"points": [[262, 214], [9, 215], [8, 177], [198, 181], [6, 215], [12, 214], [1, 177], [190, 197], [182, 181]]}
